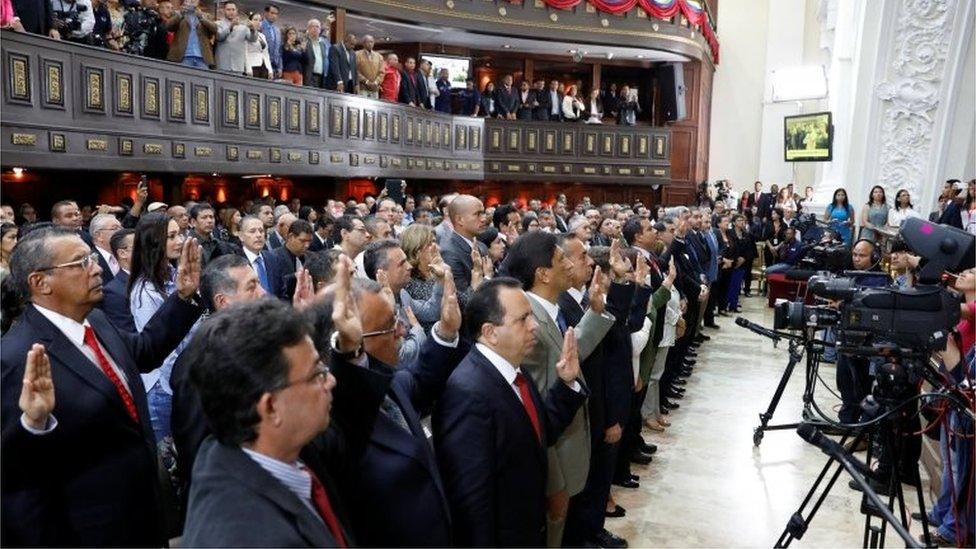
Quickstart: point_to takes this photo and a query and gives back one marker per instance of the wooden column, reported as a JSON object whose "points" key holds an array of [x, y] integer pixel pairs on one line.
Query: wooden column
{"points": [[529, 72], [597, 70], [339, 26]]}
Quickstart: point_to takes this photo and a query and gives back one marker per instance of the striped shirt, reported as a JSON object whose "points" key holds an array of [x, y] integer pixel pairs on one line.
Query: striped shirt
{"points": [[294, 476]]}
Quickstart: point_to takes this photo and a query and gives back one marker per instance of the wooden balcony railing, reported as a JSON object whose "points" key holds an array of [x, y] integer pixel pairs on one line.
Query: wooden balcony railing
{"points": [[67, 106]]}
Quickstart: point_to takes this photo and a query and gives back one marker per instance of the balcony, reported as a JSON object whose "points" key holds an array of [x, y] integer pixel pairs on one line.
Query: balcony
{"points": [[68, 106]]}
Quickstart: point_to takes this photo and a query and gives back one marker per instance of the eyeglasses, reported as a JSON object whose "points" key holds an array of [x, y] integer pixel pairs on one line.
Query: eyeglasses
{"points": [[85, 263], [396, 325], [318, 376]]}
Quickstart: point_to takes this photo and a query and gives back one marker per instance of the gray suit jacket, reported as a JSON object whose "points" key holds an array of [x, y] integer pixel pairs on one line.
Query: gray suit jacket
{"points": [[231, 46], [569, 458], [457, 254]]}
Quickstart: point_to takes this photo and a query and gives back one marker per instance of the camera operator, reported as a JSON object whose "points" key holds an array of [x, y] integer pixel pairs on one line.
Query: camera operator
{"points": [[74, 19], [853, 380], [144, 31]]}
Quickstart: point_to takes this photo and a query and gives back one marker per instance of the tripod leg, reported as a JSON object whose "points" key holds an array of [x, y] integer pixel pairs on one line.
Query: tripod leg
{"points": [[764, 417], [921, 506]]}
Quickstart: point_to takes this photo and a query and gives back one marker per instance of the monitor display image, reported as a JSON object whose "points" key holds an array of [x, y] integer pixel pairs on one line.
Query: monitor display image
{"points": [[458, 68], [808, 137]]}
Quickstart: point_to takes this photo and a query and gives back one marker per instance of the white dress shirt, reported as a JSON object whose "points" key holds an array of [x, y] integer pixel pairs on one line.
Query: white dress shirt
{"points": [[551, 308], [110, 259], [577, 294], [503, 366], [252, 257]]}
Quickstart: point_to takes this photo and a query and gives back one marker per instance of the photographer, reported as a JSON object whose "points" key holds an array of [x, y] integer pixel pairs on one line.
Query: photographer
{"points": [[143, 29], [194, 34], [74, 19]]}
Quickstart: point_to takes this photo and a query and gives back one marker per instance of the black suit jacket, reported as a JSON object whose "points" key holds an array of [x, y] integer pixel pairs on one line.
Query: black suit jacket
{"points": [[494, 467], [544, 110], [318, 244], [341, 62], [115, 303], [282, 271], [457, 254], [618, 355], [270, 266], [37, 16], [234, 502], [506, 101], [395, 495], [414, 91], [524, 109], [91, 481], [107, 275], [764, 206]]}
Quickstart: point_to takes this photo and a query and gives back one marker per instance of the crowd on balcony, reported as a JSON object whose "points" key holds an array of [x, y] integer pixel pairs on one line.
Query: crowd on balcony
{"points": [[253, 44], [290, 413]]}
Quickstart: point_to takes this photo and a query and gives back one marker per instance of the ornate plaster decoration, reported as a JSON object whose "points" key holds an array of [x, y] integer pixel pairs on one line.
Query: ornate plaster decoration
{"points": [[911, 91]]}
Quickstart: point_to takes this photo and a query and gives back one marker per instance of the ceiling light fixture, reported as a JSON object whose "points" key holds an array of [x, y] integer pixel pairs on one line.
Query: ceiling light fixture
{"points": [[18, 171], [507, 46]]}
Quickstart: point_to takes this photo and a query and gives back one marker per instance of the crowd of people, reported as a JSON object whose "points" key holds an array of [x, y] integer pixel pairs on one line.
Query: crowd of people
{"points": [[435, 372], [255, 45]]}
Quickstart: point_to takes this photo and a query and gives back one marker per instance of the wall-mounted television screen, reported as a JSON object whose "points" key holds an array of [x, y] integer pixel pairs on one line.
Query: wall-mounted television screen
{"points": [[458, 68], [808, 137]]}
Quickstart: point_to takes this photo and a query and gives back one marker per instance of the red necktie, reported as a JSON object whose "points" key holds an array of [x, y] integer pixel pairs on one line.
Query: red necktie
{"points": [[106, 367], [523, 388], [321, 501]]}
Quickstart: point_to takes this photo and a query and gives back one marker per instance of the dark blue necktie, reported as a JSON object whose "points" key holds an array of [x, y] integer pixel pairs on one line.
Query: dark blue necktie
{"points": [[561, 322], [262, 273]]}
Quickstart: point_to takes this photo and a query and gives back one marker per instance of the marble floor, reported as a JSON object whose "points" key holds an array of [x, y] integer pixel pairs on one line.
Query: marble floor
{"points": [[708, 486]]}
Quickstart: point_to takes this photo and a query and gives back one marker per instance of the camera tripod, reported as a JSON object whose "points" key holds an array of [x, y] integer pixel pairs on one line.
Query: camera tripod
{"points": [[799, 346], [871, 504]]}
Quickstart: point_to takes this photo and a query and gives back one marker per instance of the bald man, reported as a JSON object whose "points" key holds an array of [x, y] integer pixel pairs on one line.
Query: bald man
{"points": [[467, 216]]}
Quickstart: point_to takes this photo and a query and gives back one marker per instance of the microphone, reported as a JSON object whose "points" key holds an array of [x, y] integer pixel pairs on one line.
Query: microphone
{"points": [[756, 328]]}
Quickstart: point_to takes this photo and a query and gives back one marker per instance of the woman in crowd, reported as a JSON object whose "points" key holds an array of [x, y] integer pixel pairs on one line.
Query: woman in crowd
{"points": [[903, 210], [309, 214], [572, 106], [115, 38], [627, 107], [727, 246], [156, 248], [488, 103], [874, 215], [968, 210], [530, 223], [840, 215], [739, 253], [424, 291], [743, 204], [496, 245], [258, 56], [772, 235], [292, 57], [595, 108], [8, 239], [230, 225], [785, 200]]}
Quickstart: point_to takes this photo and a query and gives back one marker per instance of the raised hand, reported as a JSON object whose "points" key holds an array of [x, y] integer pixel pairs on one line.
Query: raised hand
{"points": [[672, 274], [37, 394], [411, 317], [387, 292], [618, 264], [568, 367], [487, 267], [304, 289], [642, 271], [598, 291], [188, 272], [345, 313], [450, 321]]}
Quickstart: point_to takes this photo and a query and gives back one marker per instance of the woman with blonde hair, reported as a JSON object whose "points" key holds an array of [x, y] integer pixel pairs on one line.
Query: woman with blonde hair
{"points": [[572, 106], [426, 288]]}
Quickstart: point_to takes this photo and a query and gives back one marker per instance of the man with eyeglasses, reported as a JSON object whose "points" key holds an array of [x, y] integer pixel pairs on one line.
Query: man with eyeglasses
{"points": [[69, 376]]}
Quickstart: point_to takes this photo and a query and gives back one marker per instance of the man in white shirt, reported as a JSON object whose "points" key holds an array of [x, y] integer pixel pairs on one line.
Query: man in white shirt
{"points": [[101, 228]]}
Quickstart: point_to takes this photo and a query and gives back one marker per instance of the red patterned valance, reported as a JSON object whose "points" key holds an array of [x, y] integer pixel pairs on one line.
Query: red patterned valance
{"points": [[692, 10]]}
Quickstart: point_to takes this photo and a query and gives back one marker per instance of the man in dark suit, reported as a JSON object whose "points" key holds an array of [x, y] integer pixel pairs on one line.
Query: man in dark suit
{"points": [[322, 237], [101, 228], [752, 201], [492, 427], [263, 478], [526, 101], [467, 216], [394, 492], [413, 85], [74, 406], [766, 203], [343, 76], [506, 99], [289, 258], [115, 294], [67, 214], [318, 56], [261, 260], [559, 215]]}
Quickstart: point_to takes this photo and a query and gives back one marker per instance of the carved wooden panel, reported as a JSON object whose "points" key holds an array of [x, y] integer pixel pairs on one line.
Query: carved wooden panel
{"points": [[336, 118], [513, 140], [394, 128], [94, 86], [625, 146], [201, 104], [369, 125], [494, 140], [313, 117], [475, 139], [606, 144], [18, 79], [568, 142], [384, 126], [175, 101], [446, 135], [150, 97], [123, 94], [294, 120], [52, 84], [272, 116], [660, 148], [410, 129], [460, 137], [589, 143], [230, 109], [252, 111], [531, 140], [354, 122]]}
